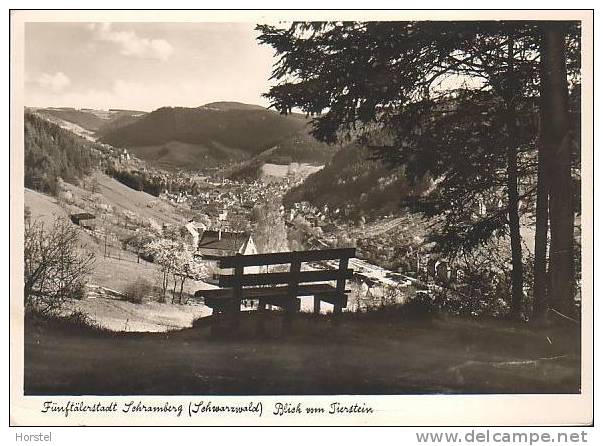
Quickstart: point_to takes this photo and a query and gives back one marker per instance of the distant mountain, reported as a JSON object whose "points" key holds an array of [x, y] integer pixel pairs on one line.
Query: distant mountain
{"points": [[216, 134], [350, 180], [118, 120], [98, 121], [225, 106], [252, 131], [84, 119]]}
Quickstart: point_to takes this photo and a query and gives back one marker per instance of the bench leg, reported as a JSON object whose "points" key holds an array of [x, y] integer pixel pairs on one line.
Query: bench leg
{"points": [[337, 308], [316, 305], [290, 309], [235, 316], [218, 325], [260, 328], [262, 305]]}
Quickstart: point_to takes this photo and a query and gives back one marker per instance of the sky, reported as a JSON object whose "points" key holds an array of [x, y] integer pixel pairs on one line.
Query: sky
{"points": [[144, 66]]}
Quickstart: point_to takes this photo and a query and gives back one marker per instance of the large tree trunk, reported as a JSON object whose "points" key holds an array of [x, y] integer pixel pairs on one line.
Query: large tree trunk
{"points": [[512, 189], [557, 150], [541, 303], [514, 229]]}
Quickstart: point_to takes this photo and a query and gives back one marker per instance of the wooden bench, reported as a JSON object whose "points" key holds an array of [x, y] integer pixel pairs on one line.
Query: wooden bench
{"points": [[281, 289]]}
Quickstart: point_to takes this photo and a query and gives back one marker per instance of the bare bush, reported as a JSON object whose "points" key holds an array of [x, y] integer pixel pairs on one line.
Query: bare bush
{"points": [[55, 269], [139, 290]]}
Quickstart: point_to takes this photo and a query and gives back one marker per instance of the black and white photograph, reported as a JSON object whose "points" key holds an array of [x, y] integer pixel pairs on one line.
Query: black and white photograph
{"points": [[282, 205]]}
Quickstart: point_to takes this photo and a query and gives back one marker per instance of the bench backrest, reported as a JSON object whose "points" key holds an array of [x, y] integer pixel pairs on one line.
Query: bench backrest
{"points": [[294, 276]]}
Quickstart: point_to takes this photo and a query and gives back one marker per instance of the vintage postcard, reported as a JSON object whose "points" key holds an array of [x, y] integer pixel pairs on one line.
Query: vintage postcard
{"points": [[317, 218]]}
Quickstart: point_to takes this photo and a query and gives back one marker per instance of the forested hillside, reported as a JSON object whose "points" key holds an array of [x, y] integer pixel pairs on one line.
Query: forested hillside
{"points": [[249, 130], [298, 148], [120, 119], [351, 180], [52, 152], [217, 134], [301, 147]]}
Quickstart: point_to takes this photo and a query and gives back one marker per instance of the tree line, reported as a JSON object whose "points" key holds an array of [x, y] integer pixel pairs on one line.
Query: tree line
{"points": [[51, 152], [487, 109]]}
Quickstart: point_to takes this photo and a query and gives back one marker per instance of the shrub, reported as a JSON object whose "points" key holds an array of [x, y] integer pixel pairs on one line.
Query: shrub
{"points": [[79, 319], [55, 268], [69, 321], [79, 291], [138, 291], [420, 306]]}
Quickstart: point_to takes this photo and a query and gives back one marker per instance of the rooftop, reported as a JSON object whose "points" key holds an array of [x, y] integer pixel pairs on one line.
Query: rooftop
{"points": [[230, 242]]}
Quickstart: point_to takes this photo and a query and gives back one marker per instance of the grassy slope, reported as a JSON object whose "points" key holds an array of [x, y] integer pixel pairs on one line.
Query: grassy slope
{"points": [[114, 193], [141, 203], [43, 207], [119, 315], [318, 356], [109, 272], [47, 210], [121, 268]]}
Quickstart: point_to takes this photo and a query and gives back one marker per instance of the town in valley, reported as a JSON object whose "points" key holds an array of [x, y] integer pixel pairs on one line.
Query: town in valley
{"points": [[309, 208]]}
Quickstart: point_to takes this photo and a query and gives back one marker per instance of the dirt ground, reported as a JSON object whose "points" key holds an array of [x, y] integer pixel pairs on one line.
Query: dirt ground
{"points": [[315, 355]]}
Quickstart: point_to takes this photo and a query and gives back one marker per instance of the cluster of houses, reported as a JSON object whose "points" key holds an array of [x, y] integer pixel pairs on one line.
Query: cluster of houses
{"points": [[318, 215], [226, 201]]}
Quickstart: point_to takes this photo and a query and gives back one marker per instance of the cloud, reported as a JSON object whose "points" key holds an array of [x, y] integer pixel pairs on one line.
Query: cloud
{"points": [[121, 94], [130, 44], [56, 82]]}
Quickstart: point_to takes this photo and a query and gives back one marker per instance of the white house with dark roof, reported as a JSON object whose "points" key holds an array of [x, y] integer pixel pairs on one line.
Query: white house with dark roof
{"points": [[216, 244], [225, 243]]}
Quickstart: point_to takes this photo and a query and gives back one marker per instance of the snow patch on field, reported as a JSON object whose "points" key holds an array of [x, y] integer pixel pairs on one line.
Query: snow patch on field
{"points": [[119, 315], [299, 170]]}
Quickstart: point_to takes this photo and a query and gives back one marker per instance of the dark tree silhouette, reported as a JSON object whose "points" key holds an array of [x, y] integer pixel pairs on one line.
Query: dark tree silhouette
{"points": [[456, 99], [556, 178]]}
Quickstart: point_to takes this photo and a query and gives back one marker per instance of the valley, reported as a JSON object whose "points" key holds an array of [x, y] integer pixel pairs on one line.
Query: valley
{"points": [[401, 216], [347, 201]]}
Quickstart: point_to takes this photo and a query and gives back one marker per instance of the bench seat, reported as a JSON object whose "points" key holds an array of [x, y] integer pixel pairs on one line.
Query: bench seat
{"points": [[278, 288], [274, 295]]}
